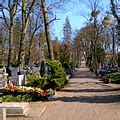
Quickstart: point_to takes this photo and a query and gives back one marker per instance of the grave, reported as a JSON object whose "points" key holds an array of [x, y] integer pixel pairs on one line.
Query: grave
{"points": [[20, 79], [15, 108]]}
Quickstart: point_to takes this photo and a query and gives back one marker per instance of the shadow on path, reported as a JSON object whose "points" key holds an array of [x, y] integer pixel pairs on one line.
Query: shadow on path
{"points": [[90, 99], [86, 82], [91, 90], [83, 74]]}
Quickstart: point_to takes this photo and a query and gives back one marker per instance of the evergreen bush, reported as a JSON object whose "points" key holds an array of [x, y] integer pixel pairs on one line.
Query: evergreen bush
{"points": [[33, 81], [56, 74], [113, 78]]}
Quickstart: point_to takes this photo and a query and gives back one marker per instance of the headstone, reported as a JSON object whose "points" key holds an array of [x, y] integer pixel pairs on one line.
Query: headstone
{"points": [[2, 114], [20, 79]]}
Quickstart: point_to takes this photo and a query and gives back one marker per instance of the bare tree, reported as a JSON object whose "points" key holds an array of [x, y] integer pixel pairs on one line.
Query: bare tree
{"points": [[47, 21], [26, 11], [114, 9], [47, 30], [35, 24], [12, 8]]}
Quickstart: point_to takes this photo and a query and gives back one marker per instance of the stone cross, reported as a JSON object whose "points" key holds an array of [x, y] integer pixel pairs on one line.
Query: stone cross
{"points": [[5, 74]]}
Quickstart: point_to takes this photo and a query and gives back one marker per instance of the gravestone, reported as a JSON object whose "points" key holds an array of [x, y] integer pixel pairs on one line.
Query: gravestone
{"points": [[20, 80]]}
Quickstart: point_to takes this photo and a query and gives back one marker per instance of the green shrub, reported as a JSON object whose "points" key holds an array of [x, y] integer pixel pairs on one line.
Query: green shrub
{"points": [[42, 70], [66, 66], [53, 76], [72, 64], [33, 81], [19, 98], [13, 98], [56, 73], [113, 78]]}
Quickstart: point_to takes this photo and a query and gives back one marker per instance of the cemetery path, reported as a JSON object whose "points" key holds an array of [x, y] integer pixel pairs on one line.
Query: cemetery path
{"points": [[84, 98]]}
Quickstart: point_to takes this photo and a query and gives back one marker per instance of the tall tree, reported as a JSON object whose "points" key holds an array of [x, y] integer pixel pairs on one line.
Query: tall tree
{"points": [[27, 8], [67, 31], [94, 15], [84, 38], [46, 10], [114, 8], [56, 48], [35, 24], [47, 29], [12, 8], [16, 38], [67, 40]]}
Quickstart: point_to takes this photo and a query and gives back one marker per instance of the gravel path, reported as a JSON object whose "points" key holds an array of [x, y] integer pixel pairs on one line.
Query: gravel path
{"points": [[84, 98]]}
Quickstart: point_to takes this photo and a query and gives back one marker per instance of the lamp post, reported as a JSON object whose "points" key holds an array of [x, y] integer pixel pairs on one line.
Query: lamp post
{"points": [[115, 7]]}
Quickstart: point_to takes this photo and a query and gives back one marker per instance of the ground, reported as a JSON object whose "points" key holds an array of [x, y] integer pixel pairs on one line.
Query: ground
{"points": [[84, 98]]}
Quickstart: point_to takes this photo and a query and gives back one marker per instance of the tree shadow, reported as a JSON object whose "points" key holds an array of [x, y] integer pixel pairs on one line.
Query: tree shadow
{"points": [[91, 90], [90, 99], [83, 74]]}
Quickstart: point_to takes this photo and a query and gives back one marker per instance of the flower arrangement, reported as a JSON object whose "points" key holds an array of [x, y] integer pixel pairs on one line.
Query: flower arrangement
{"points": [[27, 90], [12, 82], [23, 89]]}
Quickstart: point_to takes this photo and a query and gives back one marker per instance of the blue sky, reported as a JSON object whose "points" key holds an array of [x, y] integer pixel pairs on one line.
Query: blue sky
{"points": [[76, 11]]}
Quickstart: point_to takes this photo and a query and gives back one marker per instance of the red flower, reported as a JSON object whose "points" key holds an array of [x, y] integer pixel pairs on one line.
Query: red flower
{"points": [[10, 87], [44, 93]]}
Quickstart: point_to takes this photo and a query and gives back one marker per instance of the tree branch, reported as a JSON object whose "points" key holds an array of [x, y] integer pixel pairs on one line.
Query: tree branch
{"points": [[52, 20], [113, 9], [29, 11], [4, 18], [3, 7]]}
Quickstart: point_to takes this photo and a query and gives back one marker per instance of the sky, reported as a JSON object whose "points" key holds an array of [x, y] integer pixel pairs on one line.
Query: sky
{"points": [[77, 12]]}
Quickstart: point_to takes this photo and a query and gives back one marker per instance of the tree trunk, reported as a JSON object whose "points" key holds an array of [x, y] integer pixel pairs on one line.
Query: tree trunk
{"points": [[10, 46], [25, 18], [23, 32], [113, 45], [118, 43], [47, 30], [95, 45], [29, 49], [10, 41], [21, 45], [118, 20]]}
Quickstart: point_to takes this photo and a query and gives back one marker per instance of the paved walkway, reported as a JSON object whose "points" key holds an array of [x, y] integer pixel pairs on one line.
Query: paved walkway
{"points": [[84, 98]]}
